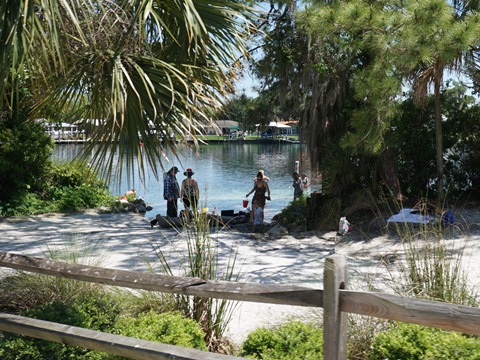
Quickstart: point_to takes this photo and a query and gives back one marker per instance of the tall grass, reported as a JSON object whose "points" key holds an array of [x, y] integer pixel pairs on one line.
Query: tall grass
{"points": [[29, 290], [433, 266], [201, 259]]}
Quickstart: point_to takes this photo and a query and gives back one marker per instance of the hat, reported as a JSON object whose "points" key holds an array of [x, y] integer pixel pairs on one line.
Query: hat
{"points": [[174, 170], [188, 171]]}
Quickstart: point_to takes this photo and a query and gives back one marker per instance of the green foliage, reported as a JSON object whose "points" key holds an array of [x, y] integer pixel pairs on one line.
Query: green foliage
{"points": [[65, 188], [294, 215], [167, 328], [73, 174], [103, 55], [292, 340], [29, 290], [94, 311], [25, 149], [27, 203], [413, 342], [81, 197], [201, 260], [416, 167]]}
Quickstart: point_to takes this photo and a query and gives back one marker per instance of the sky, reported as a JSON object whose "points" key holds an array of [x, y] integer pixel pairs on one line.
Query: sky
{"points": [[247, 84]]}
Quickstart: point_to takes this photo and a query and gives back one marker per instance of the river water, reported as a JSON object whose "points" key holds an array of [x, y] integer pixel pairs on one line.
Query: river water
{"points": [[224, 173]]}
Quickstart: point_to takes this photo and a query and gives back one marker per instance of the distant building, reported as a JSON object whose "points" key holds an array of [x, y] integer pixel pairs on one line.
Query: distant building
{"points": [[283, 127], [225, 127], [62, 132]]}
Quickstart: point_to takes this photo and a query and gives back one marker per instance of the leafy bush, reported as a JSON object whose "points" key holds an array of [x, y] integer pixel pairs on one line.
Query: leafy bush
{"points": [[65, 188], [167, 328], [81, 197], [295, 214], [412, 342], [25, 150], [73, 174], [94, 311], [292, 340], [27, 203]]}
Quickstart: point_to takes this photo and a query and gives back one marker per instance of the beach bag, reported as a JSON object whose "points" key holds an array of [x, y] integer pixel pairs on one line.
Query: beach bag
{"points": [[343, 226]]}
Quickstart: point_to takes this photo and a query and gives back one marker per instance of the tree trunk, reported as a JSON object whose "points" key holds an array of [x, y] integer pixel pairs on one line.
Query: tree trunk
{"points": [[439, 142], [389, 176]]}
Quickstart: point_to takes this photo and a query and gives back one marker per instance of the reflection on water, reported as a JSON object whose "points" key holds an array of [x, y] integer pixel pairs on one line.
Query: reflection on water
{"points": [[224, 173]]}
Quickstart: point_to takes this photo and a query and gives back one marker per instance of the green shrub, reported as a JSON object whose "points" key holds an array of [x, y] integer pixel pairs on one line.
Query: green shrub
{"points": [[25, 151], [65, 188], [73, 174], [413, 342], [27, 203], [84, 196], [94, 311], [295, 214], [292, 340], [167, 328]]}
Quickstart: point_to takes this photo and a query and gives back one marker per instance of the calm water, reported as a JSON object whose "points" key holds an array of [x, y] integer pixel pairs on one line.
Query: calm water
{"points": [[224, 173]]}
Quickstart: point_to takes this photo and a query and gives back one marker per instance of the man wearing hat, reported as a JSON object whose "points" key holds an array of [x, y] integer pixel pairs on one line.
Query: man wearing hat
{"points": [[189, 193], [171, 191]]}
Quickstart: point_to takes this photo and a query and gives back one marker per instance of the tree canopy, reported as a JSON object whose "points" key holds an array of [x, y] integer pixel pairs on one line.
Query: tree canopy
{"points": [[137, 68], [349, 64]]}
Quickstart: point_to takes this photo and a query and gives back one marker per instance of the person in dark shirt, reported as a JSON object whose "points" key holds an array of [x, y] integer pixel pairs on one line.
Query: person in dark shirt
{"points": [[171, 191]]}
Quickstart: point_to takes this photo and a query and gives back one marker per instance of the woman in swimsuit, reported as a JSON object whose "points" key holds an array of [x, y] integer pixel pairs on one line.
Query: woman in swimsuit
{"points": [[261, 194]]}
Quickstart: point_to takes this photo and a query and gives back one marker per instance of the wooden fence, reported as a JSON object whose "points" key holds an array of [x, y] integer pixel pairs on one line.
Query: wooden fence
{"points": [[336, 300]]}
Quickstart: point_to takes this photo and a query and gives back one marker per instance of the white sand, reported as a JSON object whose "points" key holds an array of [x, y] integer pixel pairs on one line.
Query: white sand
{"points": [[125, 241]]}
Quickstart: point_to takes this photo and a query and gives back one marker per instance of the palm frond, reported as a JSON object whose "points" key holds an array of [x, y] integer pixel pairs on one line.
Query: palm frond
{"points": [[142, 67]]}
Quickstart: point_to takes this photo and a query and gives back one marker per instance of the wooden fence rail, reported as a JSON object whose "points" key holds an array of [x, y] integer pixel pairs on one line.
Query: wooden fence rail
{"points": [[96, 340], [335, 298]]}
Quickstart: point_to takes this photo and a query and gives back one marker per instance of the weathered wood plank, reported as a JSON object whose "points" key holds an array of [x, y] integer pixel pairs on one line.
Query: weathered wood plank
{"points": [[95, 340], [263, 293], [334, 321], [422, 312]]}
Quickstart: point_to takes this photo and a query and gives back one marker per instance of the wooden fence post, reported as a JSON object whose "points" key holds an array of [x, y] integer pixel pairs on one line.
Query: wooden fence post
{"points": [[334, 321]]}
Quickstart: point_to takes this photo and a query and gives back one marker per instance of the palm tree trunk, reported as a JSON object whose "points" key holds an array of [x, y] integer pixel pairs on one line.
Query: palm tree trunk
{"points": [[439, 142]]}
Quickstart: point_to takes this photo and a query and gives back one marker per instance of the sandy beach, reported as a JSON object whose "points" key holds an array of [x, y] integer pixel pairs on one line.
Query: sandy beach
{"points": [[126, 241]]}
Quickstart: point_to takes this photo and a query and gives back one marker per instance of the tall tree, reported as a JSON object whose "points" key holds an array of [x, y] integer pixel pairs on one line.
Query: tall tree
{"points": [[357, 56], [136, 67], [432, 41]]}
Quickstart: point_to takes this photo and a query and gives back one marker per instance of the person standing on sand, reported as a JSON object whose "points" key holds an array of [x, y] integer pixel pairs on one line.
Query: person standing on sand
{"points": [[297, 186], [171, 191], [262, 193], [189, 193]]}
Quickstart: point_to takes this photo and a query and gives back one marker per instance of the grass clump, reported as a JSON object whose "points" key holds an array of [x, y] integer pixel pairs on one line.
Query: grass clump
{"points": [[291, 340], [433, 266], [201, 260]]}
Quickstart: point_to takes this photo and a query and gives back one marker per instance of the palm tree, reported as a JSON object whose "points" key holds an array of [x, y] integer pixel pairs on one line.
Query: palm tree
{"points": [[147, 71], [434, 40]]}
